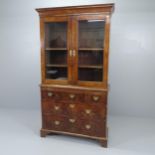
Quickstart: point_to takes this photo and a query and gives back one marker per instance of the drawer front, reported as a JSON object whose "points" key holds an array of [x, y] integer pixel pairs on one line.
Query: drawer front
{"points": [[73, 97], [51, 96], [94, 112], [81, 110], [93, 128], [96, 97], [49, 107], [75, 125], [54, 122]]}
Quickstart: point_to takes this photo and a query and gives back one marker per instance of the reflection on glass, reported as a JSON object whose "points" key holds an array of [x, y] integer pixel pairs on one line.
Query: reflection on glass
{"points": [[57, 73], [90, 74], [56, 57], [90, 58], [91, 34], [56, 35]]}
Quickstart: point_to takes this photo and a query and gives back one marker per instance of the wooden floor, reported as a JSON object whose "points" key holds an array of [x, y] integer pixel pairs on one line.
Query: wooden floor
{"points": [[19, 134]]}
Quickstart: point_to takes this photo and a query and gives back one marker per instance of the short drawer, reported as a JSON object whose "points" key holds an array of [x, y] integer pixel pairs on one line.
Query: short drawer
{"points": [[47, 95], [73, 97], [53, 108], [93, 128], [93, 112], [96, 97], [54, 122]]}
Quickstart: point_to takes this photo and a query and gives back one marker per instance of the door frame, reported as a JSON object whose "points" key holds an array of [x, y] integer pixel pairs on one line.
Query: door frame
{"points": [[75, 22], [69, 46]]}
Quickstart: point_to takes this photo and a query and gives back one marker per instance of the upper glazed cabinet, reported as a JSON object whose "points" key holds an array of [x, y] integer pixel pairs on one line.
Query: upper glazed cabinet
{"points": [[75, 49]]}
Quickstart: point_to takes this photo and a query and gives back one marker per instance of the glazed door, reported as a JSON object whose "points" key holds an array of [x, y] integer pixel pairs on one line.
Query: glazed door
{"points": [[90, 45], [55, 38]]}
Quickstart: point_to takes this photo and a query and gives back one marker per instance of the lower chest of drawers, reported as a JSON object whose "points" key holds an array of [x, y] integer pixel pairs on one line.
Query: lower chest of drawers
{"points": [[79, 112]]}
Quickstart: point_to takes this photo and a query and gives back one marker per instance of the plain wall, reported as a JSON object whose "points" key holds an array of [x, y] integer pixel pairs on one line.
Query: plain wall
{"points": [[132, 54]]}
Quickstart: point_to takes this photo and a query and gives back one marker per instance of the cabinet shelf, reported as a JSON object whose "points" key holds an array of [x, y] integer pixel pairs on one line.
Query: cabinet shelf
{"points": [[55, 49], [91, 66], [91, 49], [56, 65]]}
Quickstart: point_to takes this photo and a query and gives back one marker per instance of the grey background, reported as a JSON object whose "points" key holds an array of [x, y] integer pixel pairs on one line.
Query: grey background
{"points": [[132, 55]]}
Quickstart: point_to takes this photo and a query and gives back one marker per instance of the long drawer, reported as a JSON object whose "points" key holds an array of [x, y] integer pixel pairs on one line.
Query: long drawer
{"points": [[84, 110], [75, 125]]}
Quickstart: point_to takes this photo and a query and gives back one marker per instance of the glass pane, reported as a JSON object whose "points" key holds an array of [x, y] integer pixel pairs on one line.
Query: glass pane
{"points": [[57, 73], [56, 57], [56, 35], [56, 50], [90, 74], [91, 34], [91, 47], [90, 58]]}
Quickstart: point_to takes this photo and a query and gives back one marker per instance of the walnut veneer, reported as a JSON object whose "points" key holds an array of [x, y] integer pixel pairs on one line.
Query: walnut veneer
{"points": [[74, 67]]}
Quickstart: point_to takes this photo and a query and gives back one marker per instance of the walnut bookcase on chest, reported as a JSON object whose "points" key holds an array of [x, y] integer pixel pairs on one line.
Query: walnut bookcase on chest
{"points": [[74, 67]]}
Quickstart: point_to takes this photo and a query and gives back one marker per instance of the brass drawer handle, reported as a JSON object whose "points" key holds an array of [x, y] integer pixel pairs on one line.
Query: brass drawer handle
{"points": [[87, 126], [56, 107], [56, 122], [96, 98], [71, 96], [87, 111], [50, 94], [72, 105], [72, 120]]}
